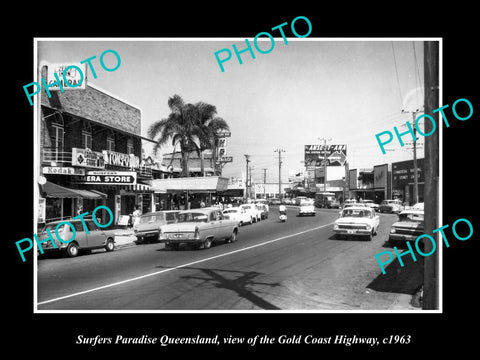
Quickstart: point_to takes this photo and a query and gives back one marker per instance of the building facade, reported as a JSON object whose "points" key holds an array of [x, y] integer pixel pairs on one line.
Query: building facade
{"points": [[89, 152]]}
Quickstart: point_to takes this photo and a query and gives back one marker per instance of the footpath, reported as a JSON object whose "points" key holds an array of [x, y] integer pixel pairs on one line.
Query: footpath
{"points": [[124, 238]]}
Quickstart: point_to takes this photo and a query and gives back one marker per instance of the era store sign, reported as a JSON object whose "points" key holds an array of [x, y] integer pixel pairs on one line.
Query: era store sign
{"points": [[109, 178]]}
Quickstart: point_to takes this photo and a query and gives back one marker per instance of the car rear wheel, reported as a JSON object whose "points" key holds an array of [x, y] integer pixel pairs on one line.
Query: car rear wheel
{"points": [[110, 245], [71, 250], [233, 238]]}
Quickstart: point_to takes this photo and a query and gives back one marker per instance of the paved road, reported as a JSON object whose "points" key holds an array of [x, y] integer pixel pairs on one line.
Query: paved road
{"points": [[297, 265]]}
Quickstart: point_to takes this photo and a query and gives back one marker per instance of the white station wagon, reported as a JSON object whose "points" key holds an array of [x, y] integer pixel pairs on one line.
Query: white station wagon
{"points": [[357, 221]]}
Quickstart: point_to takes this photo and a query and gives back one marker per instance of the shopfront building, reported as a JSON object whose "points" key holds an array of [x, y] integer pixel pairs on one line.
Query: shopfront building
{"points": [[90, 154]]}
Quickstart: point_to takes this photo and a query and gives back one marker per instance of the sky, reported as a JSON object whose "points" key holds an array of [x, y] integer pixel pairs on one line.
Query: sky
{"points": [[343, 90]]}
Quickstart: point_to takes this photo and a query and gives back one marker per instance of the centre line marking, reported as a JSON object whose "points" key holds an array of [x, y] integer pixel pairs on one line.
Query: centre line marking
{"points": [[180, 266]]}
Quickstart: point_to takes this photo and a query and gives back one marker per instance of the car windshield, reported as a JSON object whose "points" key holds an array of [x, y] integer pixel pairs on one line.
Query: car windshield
{"points": [[192, 217], [247, 206], [411, 217], [160, 218], [356, 213], [230, 211]]}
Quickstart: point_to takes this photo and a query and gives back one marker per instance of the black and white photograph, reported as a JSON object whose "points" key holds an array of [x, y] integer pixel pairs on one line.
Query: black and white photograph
{"points": [[171, 182], [287, 180]]}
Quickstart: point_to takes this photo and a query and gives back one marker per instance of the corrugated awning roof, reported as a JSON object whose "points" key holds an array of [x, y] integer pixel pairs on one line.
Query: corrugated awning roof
{"points": [[52, 190]]}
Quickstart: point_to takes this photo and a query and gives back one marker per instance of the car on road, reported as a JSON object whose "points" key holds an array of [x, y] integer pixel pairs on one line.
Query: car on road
{"points": [[238, 214], [298, 200], [409, 226], [306, 208], [263, 210], [96, 238], [370, 204], [264, 202], [252, 212], [149, 227], [391, 206], [275, 201], [357, 221], [199, 227]]}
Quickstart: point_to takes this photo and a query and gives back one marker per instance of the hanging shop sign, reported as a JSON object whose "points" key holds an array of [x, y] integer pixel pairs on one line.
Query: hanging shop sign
{"points": [[119, 159], [109, 178], [59, 170], [87, 158]]}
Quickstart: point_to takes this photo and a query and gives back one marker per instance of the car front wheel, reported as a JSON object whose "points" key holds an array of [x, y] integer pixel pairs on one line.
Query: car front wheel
{"points": [[72, 250], [110, 245]]}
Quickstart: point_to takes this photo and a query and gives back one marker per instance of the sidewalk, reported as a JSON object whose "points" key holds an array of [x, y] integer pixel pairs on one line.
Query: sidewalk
{"points": [[124, 238]]}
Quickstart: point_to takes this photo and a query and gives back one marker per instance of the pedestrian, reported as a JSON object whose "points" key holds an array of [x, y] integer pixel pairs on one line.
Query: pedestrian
{"points": [[202, 204], [136, 216]]}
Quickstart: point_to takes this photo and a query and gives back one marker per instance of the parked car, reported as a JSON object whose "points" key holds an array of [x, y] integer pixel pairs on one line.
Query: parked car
{"points": [[96, 238], [150, 225], [199, 227], [275, 201], [264, 202], [357, 221], [263, 210], [391, 206], [371, 204], [306, 208], [409, 226], [252, 212], [238, 214]]}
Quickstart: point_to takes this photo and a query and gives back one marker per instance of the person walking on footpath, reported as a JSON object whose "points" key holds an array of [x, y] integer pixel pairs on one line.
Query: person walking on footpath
{"points": [[136, 216]]}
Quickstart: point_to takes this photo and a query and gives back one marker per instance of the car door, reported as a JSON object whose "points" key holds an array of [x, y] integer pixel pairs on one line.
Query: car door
{"points": [[96, 237], [80, 234], [376, 220]]}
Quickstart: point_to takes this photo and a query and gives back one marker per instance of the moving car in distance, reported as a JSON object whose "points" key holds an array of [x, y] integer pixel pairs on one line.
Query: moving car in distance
{"points": [[264, 202], [149, 227], [237, 214], [357, 221], [409, 226], [306, 208], [370, 204], [391, 206], [97, 238], [252, 212], [263, 209], [200, 228], [275, 201]]}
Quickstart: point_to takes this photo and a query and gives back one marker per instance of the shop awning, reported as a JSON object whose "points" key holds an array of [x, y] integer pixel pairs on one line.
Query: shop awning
{"points": [[52, 190], [191, 184]]}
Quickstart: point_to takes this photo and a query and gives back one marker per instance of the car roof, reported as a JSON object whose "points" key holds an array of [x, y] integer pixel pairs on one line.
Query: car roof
{"points": [[364, 208], [161, 212]]}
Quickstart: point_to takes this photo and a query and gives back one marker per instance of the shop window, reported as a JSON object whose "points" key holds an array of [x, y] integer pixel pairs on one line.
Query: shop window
{"points": [[111, 141]]}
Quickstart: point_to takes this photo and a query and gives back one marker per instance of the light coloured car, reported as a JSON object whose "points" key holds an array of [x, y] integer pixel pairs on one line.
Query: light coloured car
{"points": [[263, 210], [96, 238], [306, 208], [264, 202], [371, 204], [199, 227], [357, 221], [409, 226], [150, 225], [252, 211], [238, 214], [391, 206]]}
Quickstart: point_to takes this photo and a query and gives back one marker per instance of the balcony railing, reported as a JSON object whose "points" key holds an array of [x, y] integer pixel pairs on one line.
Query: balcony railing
{"points": [[57, 156]]}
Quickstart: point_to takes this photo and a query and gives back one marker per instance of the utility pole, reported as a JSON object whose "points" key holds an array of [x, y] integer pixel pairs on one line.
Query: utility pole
{"points": [[415, 167], [324, 162], [430, 267], [247, 158], [279, 172], [264, 182]]}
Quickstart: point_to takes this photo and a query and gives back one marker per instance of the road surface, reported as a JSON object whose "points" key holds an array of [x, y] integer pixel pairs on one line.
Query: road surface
{"points": [[297, 265]]}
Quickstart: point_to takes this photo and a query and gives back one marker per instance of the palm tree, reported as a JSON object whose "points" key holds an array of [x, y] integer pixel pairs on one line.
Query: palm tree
{"points": [[191, 126], [211, 126]]}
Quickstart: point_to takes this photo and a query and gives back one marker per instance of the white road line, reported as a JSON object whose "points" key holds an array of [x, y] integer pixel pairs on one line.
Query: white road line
{"points": [[180, 266]]}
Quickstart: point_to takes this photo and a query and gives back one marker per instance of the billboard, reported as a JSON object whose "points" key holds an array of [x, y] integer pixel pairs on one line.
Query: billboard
{"points": [[333, 155], [380, 173]]}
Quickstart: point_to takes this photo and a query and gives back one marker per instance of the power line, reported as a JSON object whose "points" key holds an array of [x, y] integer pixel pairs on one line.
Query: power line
{"points": [[396, 71]]}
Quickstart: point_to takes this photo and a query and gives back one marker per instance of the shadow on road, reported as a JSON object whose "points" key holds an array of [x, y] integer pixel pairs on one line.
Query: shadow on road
{"points": [[241, 284], [401, 280]]}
